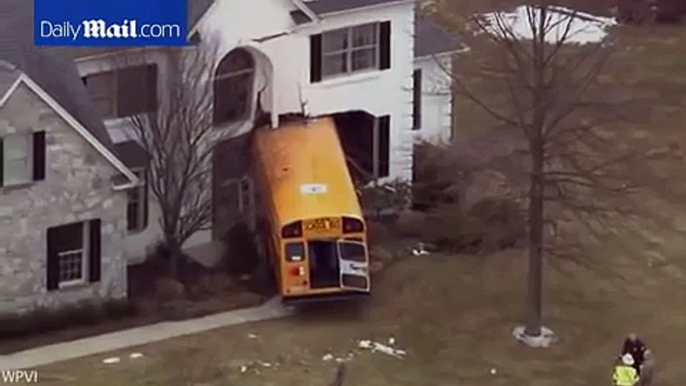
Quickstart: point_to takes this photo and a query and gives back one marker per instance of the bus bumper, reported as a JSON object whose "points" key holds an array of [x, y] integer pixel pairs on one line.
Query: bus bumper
{"points": [[320, 298]]}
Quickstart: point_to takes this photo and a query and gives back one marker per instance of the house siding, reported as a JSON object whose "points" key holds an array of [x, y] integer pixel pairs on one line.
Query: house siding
{"points": [[77, 187], [436, 99]]}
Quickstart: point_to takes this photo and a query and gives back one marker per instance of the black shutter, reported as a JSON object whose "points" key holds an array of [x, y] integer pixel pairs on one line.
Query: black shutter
{"points": [[2, 158], [52, 263], [145, 199], [94, 251], [39, 155], [417, 99], [384, 141], [315, 58], [151, 82], [385, 45]]}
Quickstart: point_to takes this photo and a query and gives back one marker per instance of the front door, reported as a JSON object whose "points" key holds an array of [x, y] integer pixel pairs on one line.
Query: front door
{"points": [[354, 266]]}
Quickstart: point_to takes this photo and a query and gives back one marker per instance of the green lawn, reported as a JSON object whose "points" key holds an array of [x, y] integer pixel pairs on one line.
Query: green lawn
{"points": [[453, 314]]}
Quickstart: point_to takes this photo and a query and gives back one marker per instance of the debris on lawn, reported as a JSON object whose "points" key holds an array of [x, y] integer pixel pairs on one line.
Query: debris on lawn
{"points": [[420, 250], [136, 355], [391, 341], [494, 371], [330, 357], [112, 360], [376, 346], [252, 336], [255, 365]]}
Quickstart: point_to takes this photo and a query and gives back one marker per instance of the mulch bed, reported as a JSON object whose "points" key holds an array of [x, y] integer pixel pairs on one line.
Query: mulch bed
{"points": [[141, 281]]}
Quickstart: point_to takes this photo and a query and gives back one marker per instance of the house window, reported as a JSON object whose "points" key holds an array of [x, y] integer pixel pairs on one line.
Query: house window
{"points": [[350, 50], [73, 254], [417, 99], [22, 158], [233, 87], [383, 147], [137, 205], [125, 91]]}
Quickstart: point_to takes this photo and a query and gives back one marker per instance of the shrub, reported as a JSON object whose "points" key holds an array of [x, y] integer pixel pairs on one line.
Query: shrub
{"points": [[167, 288], [43, 320], [120, 308], [502, 221], [437, 178], [242, 255]]}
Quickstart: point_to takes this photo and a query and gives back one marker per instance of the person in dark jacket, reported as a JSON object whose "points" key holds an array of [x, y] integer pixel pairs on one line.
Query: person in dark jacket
{"points": [[647, 369], [635, 346]]}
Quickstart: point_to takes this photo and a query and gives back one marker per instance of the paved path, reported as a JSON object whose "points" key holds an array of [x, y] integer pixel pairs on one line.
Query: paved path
{"points": [[138, 336]]}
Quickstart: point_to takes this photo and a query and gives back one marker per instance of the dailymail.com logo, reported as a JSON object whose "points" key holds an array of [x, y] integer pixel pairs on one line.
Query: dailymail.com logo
{"points": [[107, 23]]}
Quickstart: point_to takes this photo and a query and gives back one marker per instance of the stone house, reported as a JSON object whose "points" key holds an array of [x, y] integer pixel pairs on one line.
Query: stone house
{"points": [[374, 65], [63, 191]]}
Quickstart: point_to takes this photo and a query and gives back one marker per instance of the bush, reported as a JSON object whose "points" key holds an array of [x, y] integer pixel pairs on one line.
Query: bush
{"points": [[43, 320], [167, 288], [242, 254], [438, 179], [502, 221]]}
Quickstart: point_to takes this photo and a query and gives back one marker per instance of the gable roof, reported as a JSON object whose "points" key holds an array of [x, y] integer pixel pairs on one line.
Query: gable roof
{"points": [[324, 7], [430, 39], [53, 68], [22, 78], [196, 9]]}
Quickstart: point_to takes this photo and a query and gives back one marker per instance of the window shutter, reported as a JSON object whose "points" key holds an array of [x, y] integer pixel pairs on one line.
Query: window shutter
{"points": [[94, 251], [2, 158], [145, 199], [39, 155], [52, 263], [385, 45], [151, 82], [417, 99], [384, 142], [315, 58]]}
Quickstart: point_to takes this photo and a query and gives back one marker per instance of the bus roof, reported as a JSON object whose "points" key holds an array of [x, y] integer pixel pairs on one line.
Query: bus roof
{"points": [[305, 167]]}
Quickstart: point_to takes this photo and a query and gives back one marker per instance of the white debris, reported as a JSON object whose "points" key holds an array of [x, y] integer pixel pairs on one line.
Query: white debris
{"points": [[376, 346], [391, 341], [266, 364], [244, 369], [136, 355], [580, 28], [494, 371], [252, 336], [364, 344], [327, 357], [111, 360], [420, 250]]}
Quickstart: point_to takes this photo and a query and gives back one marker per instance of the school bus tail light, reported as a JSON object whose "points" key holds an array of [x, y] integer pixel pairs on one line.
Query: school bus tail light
{"points": [[298, 271], [292, 230], [352, 225]]}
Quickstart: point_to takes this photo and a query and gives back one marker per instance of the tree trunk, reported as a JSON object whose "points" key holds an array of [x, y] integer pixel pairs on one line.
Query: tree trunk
{"points": [[536, 223]]}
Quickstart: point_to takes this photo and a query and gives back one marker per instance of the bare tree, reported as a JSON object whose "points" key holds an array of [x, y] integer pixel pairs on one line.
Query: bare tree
{"points": [[179, 139], [542, 90]]}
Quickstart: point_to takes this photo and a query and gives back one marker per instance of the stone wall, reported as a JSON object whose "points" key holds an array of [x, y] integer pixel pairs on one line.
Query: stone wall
{"points": [[77, 187]]}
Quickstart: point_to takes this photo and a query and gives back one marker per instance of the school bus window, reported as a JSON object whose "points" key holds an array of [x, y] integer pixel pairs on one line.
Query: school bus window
{"points": [[292, 230], [351, 225], [295, 252], [353, 251], [357, 239]]}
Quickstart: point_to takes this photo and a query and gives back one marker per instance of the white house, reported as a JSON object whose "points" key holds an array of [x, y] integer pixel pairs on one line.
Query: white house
{"points": [[372, 64]]}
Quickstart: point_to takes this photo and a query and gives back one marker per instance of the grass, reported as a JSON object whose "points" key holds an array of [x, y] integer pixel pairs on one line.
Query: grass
{"points": [[453, 314]]}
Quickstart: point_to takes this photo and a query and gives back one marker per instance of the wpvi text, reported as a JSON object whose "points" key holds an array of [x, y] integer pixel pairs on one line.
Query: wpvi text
{"points": [[19, 376]]}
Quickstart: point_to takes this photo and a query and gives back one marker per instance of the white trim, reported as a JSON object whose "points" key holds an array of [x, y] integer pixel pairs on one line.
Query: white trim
{"points": [[300, 4], [23, 78]]}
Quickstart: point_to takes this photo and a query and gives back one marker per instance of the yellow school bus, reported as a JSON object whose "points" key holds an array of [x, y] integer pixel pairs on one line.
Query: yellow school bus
{"points": [[309, 216]]}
